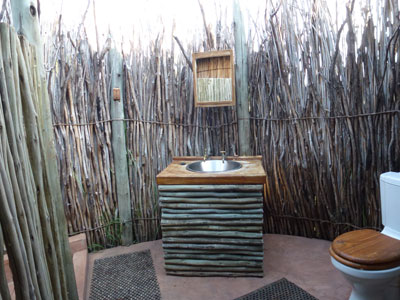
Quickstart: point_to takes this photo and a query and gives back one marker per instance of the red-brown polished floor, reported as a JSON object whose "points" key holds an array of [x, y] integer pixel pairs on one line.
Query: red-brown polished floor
{"points": [[306, 262]]}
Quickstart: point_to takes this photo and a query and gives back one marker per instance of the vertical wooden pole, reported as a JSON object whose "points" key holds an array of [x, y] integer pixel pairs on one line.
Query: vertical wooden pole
{"points": [[119, 146], [241, 78], [26, 22], [4, 292]]}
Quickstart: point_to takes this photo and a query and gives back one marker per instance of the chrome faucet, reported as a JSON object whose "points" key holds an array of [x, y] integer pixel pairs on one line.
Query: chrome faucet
{"points": [[205, 156], [223, 156]]}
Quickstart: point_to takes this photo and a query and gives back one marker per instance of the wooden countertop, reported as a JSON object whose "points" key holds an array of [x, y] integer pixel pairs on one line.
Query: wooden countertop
{"points": [[251, 172]]}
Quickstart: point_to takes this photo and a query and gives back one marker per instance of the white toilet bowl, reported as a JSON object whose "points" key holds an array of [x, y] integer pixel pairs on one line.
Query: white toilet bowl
{"points": [[369, 259], [370, 284]]}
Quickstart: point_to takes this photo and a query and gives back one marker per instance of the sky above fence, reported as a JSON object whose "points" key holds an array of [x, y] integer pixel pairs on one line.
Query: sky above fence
{"points": [[148, 18], [132, 21]]}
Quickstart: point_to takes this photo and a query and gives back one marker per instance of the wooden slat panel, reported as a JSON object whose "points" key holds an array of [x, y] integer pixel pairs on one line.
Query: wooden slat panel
{"points": [[213, 263], [208, 205], [211, 211], [208, 233], [212, 269], [213, 252], [236, 229], [211, 239], [197, 194], [211, 274], [212, 247], [165, 222], [213, 200], [210, 216], [212, 256]]}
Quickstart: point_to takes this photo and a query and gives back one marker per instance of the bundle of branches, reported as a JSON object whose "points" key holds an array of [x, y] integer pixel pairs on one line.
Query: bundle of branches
{"points": [[323, 107], [37, 247], [324, 119], [161, 122]]}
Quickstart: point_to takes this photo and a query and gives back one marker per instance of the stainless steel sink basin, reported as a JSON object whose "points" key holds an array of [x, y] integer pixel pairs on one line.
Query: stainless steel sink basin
{"points": [[212, 166]]}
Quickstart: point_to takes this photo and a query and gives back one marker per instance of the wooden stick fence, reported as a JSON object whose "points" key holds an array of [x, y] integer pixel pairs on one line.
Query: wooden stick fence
{"points": [[29, 223], [324, 120], [160, 122], [325, 127]]}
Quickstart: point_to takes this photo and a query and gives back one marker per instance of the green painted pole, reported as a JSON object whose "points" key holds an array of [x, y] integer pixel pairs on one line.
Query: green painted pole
{"points": [[26, 23], [119, 146], [241, 81]]}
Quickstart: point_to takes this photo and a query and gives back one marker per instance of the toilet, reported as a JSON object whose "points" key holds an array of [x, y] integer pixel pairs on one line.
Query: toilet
{"points": [[369, 259]]}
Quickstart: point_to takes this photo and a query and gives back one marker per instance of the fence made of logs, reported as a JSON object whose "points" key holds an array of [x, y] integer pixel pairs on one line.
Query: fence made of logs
{"points": [[32, 220], [325, 118]]}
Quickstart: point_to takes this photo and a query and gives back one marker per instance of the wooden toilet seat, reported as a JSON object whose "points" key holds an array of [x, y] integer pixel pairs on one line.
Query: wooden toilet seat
{"points": [[366, 249]]}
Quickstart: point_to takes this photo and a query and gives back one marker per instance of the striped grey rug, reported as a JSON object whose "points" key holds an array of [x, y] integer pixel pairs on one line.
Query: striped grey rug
{"points": [[282, 289], [129, 277]]}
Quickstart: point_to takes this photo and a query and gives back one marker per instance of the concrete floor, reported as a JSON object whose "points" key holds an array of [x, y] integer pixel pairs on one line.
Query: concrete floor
{"points": [[304, 261]]}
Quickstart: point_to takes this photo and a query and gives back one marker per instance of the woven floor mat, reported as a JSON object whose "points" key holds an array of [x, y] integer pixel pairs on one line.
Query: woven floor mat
{"points": [[128, 277], [282, 289]]}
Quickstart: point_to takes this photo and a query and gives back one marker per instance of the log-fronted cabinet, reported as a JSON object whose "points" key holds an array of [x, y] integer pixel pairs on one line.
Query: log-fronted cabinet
{"points": [[212, 229]]}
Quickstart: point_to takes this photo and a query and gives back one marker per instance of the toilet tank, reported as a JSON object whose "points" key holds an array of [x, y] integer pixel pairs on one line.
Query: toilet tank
{"points": [[390, 203]]}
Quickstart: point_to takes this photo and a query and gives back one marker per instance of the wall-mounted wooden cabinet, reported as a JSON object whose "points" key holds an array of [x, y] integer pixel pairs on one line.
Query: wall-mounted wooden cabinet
{"points": [[214, 78]]}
